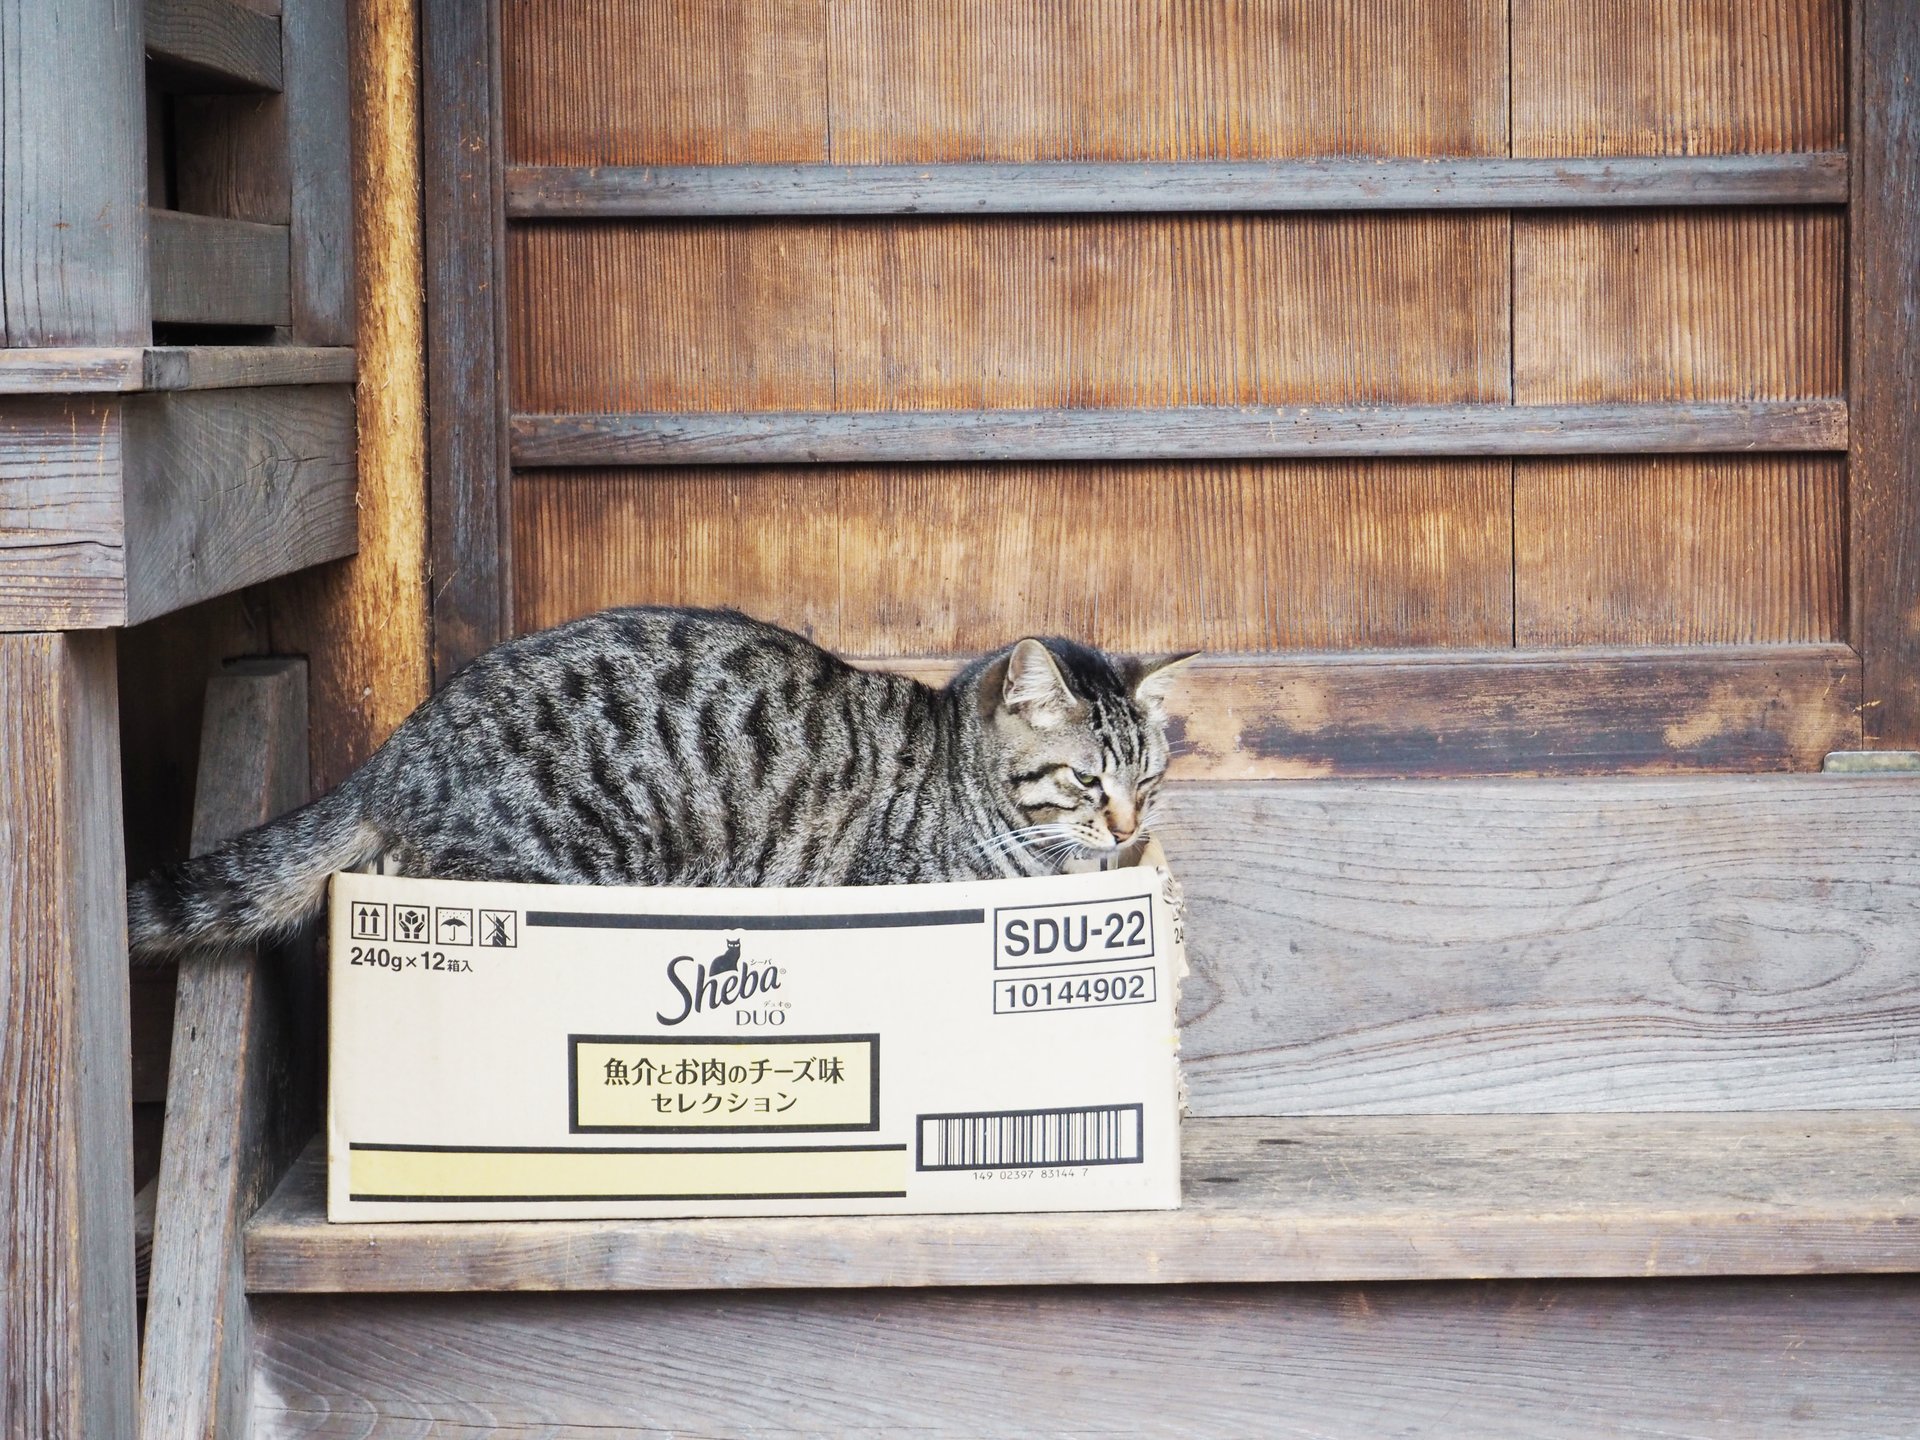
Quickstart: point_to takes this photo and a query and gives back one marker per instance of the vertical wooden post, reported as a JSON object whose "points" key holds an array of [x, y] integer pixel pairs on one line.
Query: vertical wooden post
{"points": [[235, 1103], [466, 306], [67, 1341], [73, 173], [1883, 381]]}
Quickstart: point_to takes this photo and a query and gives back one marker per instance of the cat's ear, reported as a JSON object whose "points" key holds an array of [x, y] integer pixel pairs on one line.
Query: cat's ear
{"points": [[1151, 679], [1035, 690]]}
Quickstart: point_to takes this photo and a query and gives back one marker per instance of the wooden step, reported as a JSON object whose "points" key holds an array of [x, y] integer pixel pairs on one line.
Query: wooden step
{"points": [[1361, 1198]]}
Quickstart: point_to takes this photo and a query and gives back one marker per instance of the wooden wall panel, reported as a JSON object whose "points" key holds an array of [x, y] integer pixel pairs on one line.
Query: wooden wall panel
{"points": [[1655, 550], [932, 560], [639, 82], [1677, 77], [1678, 305], [1009, 313], [664, 82]]}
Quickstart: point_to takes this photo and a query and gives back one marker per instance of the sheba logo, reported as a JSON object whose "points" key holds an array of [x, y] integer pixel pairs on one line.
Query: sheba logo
{"points": [[724, 980]]}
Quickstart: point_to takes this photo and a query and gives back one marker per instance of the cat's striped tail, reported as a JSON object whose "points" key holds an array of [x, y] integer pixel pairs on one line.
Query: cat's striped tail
{"points": [[258, 886]]}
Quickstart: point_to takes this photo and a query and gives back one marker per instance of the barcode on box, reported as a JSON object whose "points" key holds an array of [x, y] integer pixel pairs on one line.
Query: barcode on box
{"points": [[1018, 1139]]}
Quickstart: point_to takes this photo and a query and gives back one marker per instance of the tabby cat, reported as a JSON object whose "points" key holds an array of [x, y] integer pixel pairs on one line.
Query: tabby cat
{"points": [[695, 747]]}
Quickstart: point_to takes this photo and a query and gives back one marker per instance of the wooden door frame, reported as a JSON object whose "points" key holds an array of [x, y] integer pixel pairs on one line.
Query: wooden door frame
{"points": [[470, 463]]}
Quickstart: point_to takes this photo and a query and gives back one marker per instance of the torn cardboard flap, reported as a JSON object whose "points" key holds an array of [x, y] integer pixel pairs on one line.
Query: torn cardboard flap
{"points": [[526, 1051]]}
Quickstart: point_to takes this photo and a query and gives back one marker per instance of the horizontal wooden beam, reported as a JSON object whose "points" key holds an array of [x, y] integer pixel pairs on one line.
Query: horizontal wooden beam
{"points": [[227, 488], [1056, 187], [215, 45], [1275, 1200], [1196, 432], [1415, 714], [129, 369], [206, 271], [1735, 1357], [1704, 943], [114, 509]]}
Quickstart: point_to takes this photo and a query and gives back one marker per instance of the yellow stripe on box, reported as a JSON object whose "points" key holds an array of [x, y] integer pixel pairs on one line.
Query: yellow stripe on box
{"points": [[639, 1175]]}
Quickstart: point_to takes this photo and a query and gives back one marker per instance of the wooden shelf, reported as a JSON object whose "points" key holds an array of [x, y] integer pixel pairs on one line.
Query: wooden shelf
{"points": [[1117, 187], [1362, 1198], [1190, 432]]}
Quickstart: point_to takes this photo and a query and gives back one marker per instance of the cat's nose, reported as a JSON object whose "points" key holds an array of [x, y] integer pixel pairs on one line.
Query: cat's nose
{"points": [[1122, 822]]}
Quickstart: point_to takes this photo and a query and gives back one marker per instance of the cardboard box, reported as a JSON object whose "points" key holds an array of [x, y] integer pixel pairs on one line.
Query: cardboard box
{"points": [[533, 1051]]}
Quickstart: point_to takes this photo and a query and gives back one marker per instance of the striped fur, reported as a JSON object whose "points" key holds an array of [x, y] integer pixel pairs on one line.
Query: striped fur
{"points": [[691, 747]]}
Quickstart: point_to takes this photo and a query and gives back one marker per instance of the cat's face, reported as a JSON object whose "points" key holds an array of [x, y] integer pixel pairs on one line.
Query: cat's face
{"points": [[1083, 745]]}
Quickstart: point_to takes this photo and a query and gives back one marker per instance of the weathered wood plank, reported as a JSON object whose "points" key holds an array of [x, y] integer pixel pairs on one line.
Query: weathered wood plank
{"points": [[72, 370], [1678, 305], [1670, 77], [897, 560], [1549, 946], [62, 557], [218, 272], [227, 1127], [698, 82], [1663, 550], [234, 367], [1179, 433], [1711, 1360], [318, 145], [215, 44], [470, 521], [1884, 336], [1412, 714], [125, 369], [226, 488], [556, 192], [67, 1339], [1267, 1200], [1016, 312], [73, 174]]}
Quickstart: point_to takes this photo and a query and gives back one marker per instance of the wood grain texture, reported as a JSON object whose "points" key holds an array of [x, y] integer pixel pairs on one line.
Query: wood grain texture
{"points": [[1661, 551], [931, 560], [73, 174], [1734, 1358], [62, 557], [1266, 1200], [1504, 712], [633, 82], [557, 192], [363, 624], [686, 81], [226, 1131], [1550, 946], [72, 370], [233, 367], [319, 144], [1677, 77], [215, 44], [230, 157], [67, 1342], [124, 369], [1203, 432], [218, 272], [1704, 305], [227, 488], [933, 314], [1884, 335], [470, 518]]}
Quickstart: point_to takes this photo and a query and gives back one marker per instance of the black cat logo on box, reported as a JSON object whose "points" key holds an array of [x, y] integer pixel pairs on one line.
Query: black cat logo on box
{"points": [[724, 980]]}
